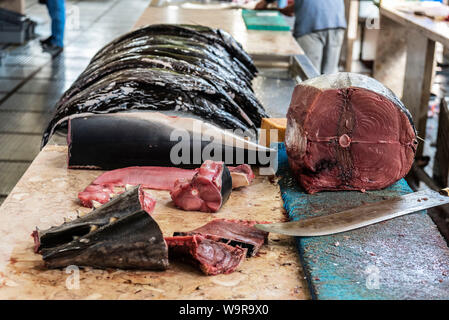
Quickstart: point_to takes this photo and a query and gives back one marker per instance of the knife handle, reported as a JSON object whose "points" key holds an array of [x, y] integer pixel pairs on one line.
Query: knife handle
{"points": [[445, 192]]}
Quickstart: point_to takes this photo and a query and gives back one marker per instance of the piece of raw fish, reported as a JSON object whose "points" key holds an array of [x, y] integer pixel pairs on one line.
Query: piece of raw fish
{"points": [[212, 257], [102, 190], [239, 233], [120, 234], [207, 191]]}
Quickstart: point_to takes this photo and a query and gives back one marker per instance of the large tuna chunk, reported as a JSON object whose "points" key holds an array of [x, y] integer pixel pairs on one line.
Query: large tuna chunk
{"points": [[348, 132], [208, 190]]}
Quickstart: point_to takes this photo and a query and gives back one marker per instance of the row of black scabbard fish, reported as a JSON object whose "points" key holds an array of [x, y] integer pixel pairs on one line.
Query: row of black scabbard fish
{"points": [[188, 69]]}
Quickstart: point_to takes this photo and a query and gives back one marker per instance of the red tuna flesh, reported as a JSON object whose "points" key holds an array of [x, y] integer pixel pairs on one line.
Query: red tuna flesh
{"points": [[208, 190], [211, 256], [233, 232], [348, 132], [159, 178]]}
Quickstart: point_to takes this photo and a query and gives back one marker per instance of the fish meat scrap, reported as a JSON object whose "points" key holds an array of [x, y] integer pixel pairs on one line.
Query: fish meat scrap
{"points": [[239, 233], [212, 257], [207, 191]]}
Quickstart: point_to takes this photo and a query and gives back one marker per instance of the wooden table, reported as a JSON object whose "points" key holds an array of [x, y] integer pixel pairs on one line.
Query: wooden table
{"points": [[47, 193], [405, 57], [255, 42]]}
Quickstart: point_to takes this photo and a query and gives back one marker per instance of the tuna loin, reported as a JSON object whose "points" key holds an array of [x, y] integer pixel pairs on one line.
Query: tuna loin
{"points": [[211, 256], [208, 190], [348, 132], [120, 234], [159, 178], [239, 233]]}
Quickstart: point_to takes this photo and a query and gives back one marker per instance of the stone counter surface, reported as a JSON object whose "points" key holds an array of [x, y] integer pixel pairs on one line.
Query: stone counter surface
{"points": [[47, 193]]}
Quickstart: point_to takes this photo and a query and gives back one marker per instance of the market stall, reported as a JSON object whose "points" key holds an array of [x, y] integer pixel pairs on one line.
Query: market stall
{"points": [[351, 151]]}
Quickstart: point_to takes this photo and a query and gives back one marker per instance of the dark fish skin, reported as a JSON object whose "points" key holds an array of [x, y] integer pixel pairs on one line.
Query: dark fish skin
{"points": [[237, 50], [226, 184], [131, 240], [150, 89], [216, 52], [230, 43], [117, 208], [168, 40], [242, 97], [194, 32], [122, 140], [192, 69], [209, 65], [229, 65]]}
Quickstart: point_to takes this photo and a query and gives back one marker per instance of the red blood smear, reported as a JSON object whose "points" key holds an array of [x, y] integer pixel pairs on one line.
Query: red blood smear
{"points": [[99, 193]]}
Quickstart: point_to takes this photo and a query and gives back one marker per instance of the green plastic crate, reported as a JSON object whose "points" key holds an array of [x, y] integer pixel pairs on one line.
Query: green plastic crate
{"points": [[264, 20]]}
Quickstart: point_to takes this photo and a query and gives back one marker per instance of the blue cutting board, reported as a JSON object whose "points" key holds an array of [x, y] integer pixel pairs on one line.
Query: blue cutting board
{"points": [[403, 258]]}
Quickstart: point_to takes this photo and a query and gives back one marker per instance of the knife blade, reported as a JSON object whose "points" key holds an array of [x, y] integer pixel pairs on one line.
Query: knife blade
{"points": [[361, 216]]}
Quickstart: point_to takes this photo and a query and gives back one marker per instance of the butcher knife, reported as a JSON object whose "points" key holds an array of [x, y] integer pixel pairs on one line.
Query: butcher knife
{"points": [[362, 216]]}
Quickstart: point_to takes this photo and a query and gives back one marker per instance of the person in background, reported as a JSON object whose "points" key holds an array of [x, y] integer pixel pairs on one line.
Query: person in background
{"points": [[319, 29], [56, 10]]}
